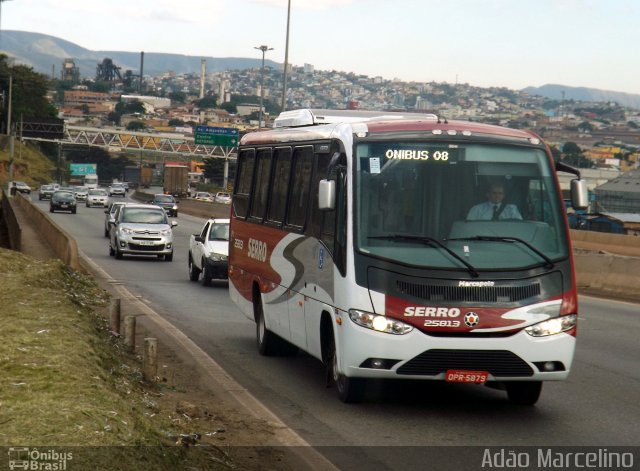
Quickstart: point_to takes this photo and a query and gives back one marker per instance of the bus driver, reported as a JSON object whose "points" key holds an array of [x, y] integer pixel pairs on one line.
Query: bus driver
{"points": [[494, 208]]}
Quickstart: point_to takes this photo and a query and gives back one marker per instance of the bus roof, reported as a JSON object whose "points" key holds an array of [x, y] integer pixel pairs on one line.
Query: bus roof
{"points": [[306, 124], [307, 117]]}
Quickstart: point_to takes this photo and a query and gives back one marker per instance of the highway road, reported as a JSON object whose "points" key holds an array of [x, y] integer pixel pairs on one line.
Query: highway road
{"points": [[598, 406]]}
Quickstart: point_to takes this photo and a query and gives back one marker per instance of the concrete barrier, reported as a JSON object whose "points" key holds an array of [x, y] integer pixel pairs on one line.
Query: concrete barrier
{"points": [[63, 245], [604, 242], [201, 209], [608, 275]]}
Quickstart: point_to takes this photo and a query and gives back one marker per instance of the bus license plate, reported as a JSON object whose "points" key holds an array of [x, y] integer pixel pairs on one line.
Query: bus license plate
{"points": [[465, 376]]}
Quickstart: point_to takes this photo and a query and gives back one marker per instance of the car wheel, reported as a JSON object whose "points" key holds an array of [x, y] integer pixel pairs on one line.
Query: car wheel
{"points": [[350, 390], [523, 393], [111, 251], [50, 210], [168, 257], [206, 275], [118, 253], [73, 211], [106, 233], [194, 273]]}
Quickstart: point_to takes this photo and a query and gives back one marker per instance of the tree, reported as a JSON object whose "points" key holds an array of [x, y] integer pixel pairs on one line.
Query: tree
{"points": [[180, 97], [175, 122], [573, 155], [571, 148], [207, 102], [136, 126], [28, 92], [214, 170]]}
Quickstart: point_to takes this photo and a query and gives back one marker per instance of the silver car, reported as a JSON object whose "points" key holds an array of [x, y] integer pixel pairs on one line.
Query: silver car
{"points": [[117, 189], [81, 193], [141, 229], [110, 215], [97, 197]]}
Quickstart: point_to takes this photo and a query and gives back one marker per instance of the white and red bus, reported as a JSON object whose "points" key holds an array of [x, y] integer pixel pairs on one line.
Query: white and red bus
{"points": [[351, 240]]}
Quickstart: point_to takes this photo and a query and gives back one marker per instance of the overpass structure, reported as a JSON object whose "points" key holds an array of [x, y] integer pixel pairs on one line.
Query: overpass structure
{"points": [[118, 140]]}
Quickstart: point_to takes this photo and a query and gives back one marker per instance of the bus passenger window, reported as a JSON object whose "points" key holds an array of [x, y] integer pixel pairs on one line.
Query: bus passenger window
{"points": [[301, 179]]}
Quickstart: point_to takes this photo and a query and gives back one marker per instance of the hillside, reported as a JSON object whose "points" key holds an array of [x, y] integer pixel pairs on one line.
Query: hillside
{"points": [[43, 53], [554, 92], [30, 165]]}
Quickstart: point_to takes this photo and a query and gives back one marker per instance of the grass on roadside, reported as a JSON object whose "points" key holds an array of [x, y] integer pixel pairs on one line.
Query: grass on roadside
{"points": [[64, 380]]}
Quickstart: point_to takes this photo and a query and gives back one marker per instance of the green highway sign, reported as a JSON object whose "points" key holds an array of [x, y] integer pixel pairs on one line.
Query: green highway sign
{"points": [[215, 136]]}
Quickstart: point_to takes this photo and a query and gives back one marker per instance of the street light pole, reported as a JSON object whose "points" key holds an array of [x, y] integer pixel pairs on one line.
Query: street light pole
{"points": [[264, 49], [286, 62]]}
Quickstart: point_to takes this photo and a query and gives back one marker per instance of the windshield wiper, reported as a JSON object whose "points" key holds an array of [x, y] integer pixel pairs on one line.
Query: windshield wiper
{"points": [[429, 241], [547, 261]]}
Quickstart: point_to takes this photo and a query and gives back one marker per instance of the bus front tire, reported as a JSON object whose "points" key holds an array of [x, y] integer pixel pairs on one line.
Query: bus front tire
{"points": [[350, 390], [523, 393]]}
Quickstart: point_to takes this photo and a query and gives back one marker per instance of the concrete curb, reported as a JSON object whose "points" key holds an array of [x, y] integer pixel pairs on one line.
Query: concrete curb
{"points": [[300, 452]]}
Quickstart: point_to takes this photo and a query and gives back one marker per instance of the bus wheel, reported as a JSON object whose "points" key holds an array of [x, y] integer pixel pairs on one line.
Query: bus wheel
{"points": [[350, 390], [268, 342], [524, 393]]}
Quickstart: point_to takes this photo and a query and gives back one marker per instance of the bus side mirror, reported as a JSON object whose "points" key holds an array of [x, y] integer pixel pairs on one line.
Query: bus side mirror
{"points": [[327, 195], [579, 194]]}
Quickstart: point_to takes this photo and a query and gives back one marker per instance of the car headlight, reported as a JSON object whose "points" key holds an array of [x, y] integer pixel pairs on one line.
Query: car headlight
{"points": [[379, 323], [165, 232], [126, 230], [552, 326], [174, 207], [217, 257]]}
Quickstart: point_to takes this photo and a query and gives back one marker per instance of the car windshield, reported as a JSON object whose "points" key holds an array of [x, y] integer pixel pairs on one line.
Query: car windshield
{"points": [[144, 216], [417, 210], [46, 187], [164, 199], [219, 232], [63, 195], [98, 192]]}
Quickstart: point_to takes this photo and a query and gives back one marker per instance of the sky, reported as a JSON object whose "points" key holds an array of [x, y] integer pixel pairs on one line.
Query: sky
{"points": [[485, 43]]}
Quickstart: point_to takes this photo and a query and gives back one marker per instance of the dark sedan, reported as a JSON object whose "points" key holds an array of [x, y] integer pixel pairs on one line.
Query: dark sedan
{"points": [[167, 202], [63, 201]]}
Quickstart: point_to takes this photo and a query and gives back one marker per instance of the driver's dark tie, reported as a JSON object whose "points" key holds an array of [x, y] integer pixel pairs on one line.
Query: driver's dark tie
{"points": [[495, 212]]}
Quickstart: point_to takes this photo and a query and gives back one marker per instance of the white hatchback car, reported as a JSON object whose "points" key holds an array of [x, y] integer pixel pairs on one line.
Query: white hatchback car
{"points": [[221, 197]]}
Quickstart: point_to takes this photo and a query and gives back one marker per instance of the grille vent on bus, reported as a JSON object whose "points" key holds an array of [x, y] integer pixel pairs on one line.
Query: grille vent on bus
{"points": [[488, 294], [500, 363]]}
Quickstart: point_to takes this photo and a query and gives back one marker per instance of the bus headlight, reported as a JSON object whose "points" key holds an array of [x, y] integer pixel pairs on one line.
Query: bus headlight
{"points": [[552, 326], [379, 323]]}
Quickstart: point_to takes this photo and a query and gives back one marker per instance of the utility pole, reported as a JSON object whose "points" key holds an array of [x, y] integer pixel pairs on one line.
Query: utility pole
{"points": [[286, 62], [264, 49]]}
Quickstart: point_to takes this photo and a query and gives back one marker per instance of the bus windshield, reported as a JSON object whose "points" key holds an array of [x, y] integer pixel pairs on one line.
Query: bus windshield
{"points": [[457, 206]]}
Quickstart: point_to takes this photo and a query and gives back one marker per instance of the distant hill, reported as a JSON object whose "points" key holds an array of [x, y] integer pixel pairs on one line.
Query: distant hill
{"points": [[43, 53], [554, 91]]}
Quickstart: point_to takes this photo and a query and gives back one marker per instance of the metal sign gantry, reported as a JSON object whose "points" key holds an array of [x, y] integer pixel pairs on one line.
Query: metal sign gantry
{"points": [[117, 140]]}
